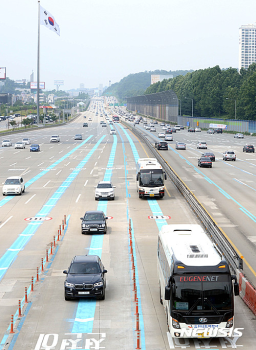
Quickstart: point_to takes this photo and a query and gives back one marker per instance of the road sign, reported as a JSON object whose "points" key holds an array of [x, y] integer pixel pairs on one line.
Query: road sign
{"points": [[35, 218], [159, 217]]}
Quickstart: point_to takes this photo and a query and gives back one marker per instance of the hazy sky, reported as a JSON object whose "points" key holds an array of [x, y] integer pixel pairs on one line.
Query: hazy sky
{"points": [[102, 40]]}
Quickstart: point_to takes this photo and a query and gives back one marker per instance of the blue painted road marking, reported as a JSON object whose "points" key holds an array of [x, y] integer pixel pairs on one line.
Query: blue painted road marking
{"points": [[11, 254]]}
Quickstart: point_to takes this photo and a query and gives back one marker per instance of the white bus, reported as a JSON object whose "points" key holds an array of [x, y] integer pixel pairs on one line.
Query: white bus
{"points": [[196, 287], [150, 178]]}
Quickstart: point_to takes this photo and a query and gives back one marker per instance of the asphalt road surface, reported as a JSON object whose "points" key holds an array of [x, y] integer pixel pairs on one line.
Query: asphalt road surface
{"points": [[60, 180]]}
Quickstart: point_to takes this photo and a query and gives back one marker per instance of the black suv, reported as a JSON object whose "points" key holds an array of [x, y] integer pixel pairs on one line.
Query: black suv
{"points": [[85, 278], [248, 148], [85, 124], [94, 221], [217, 131], [161, 145]]}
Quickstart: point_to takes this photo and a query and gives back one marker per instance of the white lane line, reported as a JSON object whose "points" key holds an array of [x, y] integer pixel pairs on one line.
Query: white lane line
{"points": [[12, 164], [46, 183], [28, 157], [51, 157], [67, 164], [95, 164], [85, 183], [30, 199], [75, 157], [98, 157], [40, 163], [16, 152], [78, 198], [84, 319], [61, 151], [5, 222], [26, 172], [91, 172], [59, 172]]}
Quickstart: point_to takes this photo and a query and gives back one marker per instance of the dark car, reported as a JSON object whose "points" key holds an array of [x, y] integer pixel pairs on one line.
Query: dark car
{"points": [[217, 131], [205, 162], [161, 145], [248, 148], [34, 148], [191, 129], [85, 278], [209, 155], [94, 221], [85, 124], [104, 125], [172, 129], [168, 131]]}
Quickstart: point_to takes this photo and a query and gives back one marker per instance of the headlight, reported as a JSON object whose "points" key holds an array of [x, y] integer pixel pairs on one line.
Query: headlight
{"points": [[175, 324], [83, 225], [230, 323], [69, 285], [98, 284], [102, 225]]}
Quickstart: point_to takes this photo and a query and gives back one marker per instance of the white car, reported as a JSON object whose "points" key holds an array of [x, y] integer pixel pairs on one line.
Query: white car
{"points": [[105, 190], [147, 127], [26, 141], [161, 135], [152, 128], [19, 145], [229, 155], [6, 143], [197, 129], [13, 185], [168, 138], [90, 119], [177, 127], [201, 144], [239, 136], [55, 138], [112, 132]]}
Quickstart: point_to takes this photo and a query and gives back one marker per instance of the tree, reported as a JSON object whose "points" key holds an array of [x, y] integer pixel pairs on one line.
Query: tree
{"points": [[27, 122], [13, 123], [248, 97]]}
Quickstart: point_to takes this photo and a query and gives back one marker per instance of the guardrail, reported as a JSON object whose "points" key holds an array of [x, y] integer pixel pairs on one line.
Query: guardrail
{"points": [[217, 235]]}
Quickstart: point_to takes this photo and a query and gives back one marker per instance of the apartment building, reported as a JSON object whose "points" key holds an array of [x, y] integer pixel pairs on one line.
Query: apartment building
{"points": [[247, 45]]}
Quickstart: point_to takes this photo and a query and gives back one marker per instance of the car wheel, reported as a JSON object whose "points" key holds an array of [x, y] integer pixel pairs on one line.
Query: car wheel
{"points": [[103, 296], [67, 298], [24, 189], [96, 198], [161, 300], [211, 166]]}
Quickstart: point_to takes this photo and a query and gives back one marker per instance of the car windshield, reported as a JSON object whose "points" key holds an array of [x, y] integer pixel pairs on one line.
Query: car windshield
{"points": [[93, 216], [151, 178], [104, 186], [6, 140], [206, 159], [12, 182], [84, 268], [230, 152], [25, 139], [194, 293], [34, 145]]}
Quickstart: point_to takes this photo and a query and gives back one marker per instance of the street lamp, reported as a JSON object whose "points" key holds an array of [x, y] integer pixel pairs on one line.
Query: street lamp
{"points": [[192, 105], [235, 104]]}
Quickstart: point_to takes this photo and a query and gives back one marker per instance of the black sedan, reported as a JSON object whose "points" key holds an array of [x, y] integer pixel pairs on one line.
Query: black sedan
{"points": [[205, 162], [85, 278], [209, 155], [35, 148], [161, 145], [85, 125], [191, 129], [248, 148], [94, 221]]}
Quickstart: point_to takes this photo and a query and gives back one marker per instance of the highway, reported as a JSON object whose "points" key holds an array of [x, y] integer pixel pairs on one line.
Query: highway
{"points": [[60, 180]]}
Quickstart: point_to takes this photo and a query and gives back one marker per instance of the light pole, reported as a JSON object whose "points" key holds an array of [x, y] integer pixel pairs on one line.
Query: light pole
{"points": [[235, 104], [192, 100]]}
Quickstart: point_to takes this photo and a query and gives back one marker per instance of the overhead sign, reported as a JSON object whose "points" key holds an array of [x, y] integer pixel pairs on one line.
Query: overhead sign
{"points": [[3, 73], [58, 82], [38, 218], [159, 217], [33, 85]]}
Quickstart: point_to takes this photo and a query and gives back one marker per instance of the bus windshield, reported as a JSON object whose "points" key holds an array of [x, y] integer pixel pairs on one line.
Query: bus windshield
{"points": [[209, 292], [151, 178]]}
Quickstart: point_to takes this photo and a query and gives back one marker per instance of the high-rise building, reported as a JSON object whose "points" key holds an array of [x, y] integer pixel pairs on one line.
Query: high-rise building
{"points": [[247, 45]]}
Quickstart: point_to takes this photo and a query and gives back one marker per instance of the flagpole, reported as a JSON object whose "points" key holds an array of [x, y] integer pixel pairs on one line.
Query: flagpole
{"points": [[38, 62]]}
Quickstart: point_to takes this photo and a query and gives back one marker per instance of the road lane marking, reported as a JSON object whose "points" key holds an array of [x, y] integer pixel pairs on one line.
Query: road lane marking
{"points": [[85, 183], [78, 198], [30, 199], [46, 183], [5, 221], [59, 172]]}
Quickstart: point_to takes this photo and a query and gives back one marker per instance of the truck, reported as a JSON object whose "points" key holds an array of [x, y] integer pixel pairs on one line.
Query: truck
{"points": [[150, 178]]}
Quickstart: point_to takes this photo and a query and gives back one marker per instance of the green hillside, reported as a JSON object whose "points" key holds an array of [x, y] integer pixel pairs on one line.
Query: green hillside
{"points": [[136, 84]]}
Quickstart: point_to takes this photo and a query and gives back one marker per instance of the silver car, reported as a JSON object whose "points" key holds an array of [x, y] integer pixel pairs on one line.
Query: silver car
{"points": [[180, 145]]}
